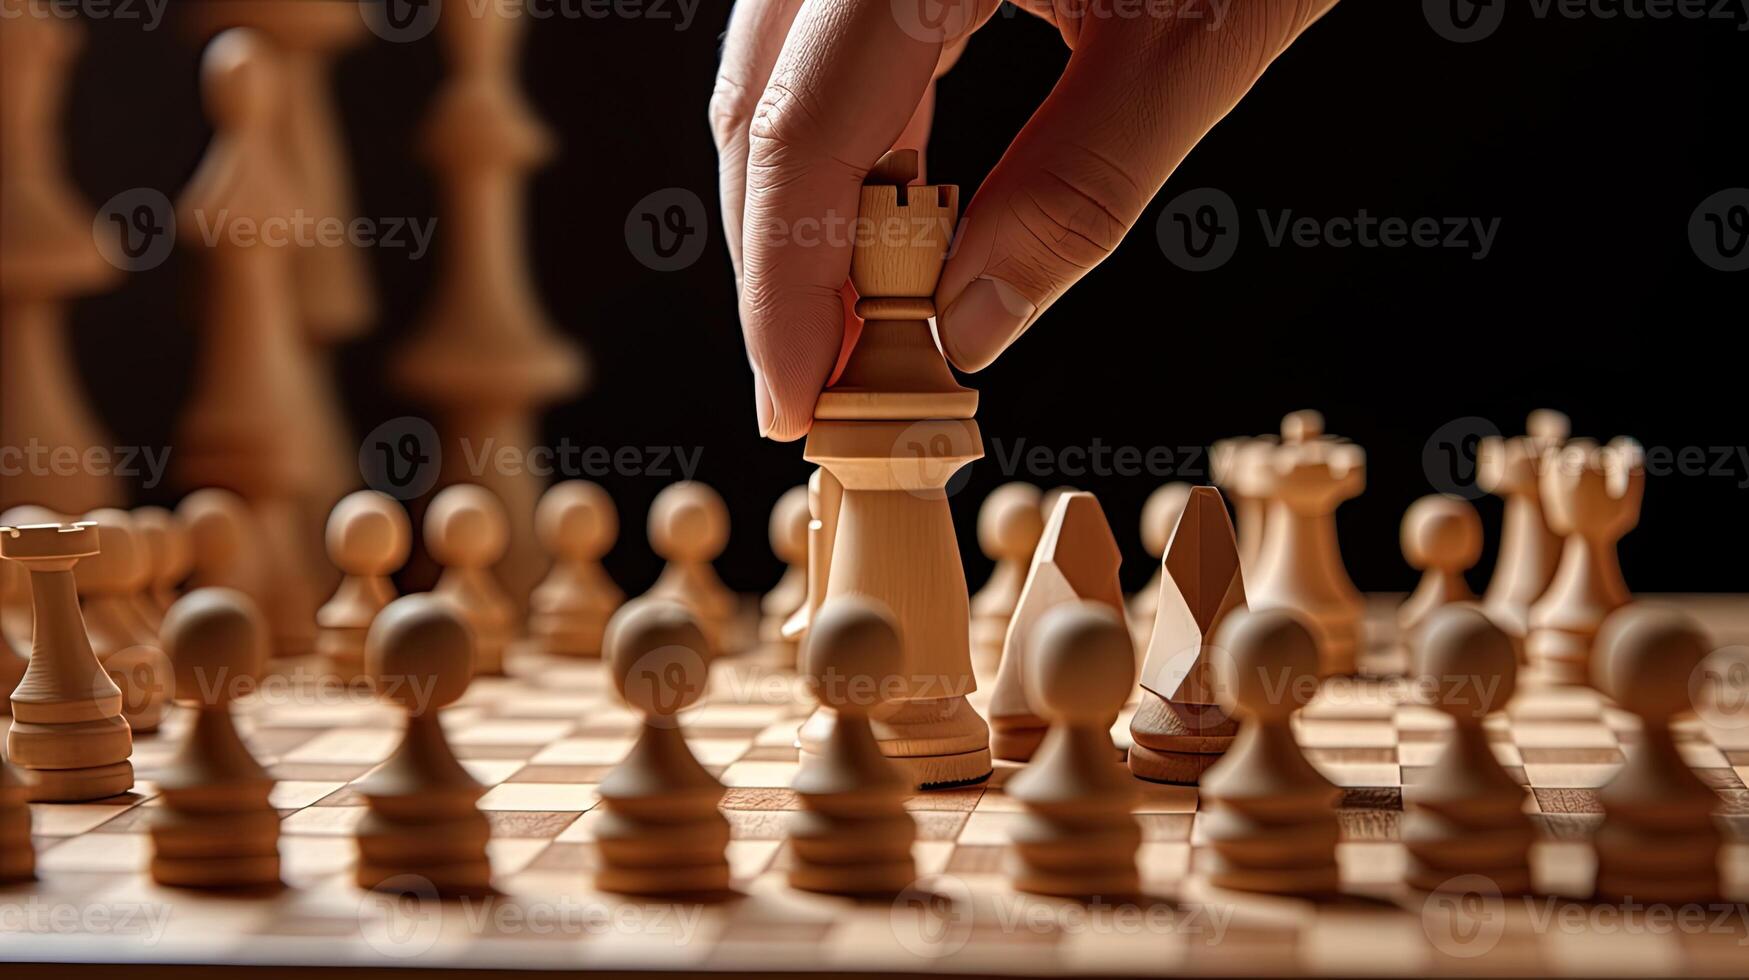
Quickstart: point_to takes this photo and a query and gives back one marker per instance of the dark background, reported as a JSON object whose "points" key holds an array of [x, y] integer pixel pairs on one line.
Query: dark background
{"points": [[1592, 139]]}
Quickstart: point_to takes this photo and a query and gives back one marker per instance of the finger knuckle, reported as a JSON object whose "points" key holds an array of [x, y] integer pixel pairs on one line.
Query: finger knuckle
{"points": [[730, 110]]}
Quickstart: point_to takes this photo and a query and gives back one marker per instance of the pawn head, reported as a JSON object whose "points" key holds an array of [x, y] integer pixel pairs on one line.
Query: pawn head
{"points": [[853, 654], [165, 542], [1442, 531], [120, 565], [576, 520], [659, 656], [1305, 425], [1265, 664], [420, 653], [1468, 664], [688, 522], [1011, 521], [1160, 515], [218, 525], [216, 640], [1646, 658], [369, 534], [789, 525], [465, 526], [1081, 664], [240, 79]]}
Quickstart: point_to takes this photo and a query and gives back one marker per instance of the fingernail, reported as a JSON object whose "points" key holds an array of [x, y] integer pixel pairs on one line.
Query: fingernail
{"points": [[983, 321], [763, 405]]}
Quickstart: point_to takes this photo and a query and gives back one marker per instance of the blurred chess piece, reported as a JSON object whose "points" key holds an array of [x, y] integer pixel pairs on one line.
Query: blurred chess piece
{"points": [[169, 558], [50, 251], [825, 494], [1529, 551], [788, 533], [1160, 516], [424, 820], [67, 725], [216, 828], [15, 614], [224, 544], [568, 612], [369, 537], [485, 356], [248, 424], [1009, 525], [466, 532], [1659, 842], [1300, 567], [1592, 496], [109, 585], [689, 527], [1442, 539], [17, 851]]}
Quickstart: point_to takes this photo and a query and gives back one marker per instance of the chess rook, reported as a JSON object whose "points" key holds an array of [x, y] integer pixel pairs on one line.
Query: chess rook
{"points": [[1077, 837], [423, 819], [660, 832], [1442, 538], [1467, 816], [1269, 816], [1529, 550], [216, 828], [569, 610], [369, 537], [466, 532], [67, 725], [893, 429], [1180, 728], [1659, 841], [1010, 524], [854, 835]]}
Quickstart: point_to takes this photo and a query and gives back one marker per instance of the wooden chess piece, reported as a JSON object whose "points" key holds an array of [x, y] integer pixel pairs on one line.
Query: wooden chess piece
{"points": [[13, 659], [854, 835], [466, 532], [331, 282], [1269, 817], [244, 427], [1529, 551], [109, 584], [1442, 538], [169, 559], [661, 832], [1010, 524], [788, 533], [1240, 468], [369, 538], [824, 495], [1180, 728], [423, 819], [1300, 567], [216, 828], [689, 527], [1160, 516], [1659, 842], [1467, 816], [50, 252], [1592, 497], [15, 616], [1077, 558], [485, 354], [1078, 837], [568, 612], [224, 546], [67, 726], [894, 428], [17, 851]]}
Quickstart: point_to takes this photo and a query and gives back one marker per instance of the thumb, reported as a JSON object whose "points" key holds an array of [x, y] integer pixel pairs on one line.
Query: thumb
{"points": [[1133, 101]]}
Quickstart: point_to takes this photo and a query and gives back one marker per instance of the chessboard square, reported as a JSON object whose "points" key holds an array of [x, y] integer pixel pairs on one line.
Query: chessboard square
{"points": [[540, 796], [501, 731], [781, 732], [584, 752], [293, 794], [1619, 952], [1371, 863], [491, 772], [1568, 775], [988, 828], [1164, 798], [749, 858], [1314, 733], [72, 819], [510, 855], [772, 775], [1362, 774], [1164, 861], [303, 860], [1563, 735], [1700, 755], [347, 745], [752, 717], [323, 821], [718, 751], [130, 853], [932, 856]]}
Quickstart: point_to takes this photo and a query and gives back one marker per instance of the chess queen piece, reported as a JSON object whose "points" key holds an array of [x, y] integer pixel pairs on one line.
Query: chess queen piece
{"points": [[893, 430], [1592, 496], [67, 725]]}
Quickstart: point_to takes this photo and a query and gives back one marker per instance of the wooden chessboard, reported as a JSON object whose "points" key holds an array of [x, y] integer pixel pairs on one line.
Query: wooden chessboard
{"points": [[542, 739]]}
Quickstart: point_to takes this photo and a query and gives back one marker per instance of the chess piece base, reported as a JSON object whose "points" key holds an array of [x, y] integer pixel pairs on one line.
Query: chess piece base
{"points": [[260, 871], [1177, 768], [81, 785]]}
